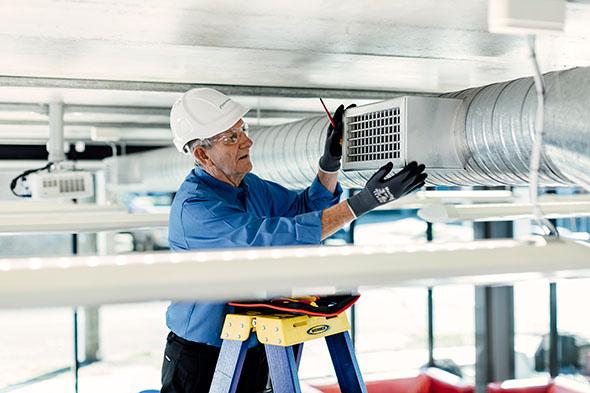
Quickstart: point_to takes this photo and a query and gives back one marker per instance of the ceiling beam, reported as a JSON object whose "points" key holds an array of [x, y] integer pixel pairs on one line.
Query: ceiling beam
{"points": [[169, 87]]}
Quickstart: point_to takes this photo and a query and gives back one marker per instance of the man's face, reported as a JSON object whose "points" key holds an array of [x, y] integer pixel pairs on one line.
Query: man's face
{"points": [[233, 159]]}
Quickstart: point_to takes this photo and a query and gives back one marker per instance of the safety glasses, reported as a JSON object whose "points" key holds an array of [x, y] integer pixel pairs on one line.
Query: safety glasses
{"points": [[231, 136]]}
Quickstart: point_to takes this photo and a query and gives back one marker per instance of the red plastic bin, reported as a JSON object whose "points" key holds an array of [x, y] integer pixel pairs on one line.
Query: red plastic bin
{"points": [[432, 381]]}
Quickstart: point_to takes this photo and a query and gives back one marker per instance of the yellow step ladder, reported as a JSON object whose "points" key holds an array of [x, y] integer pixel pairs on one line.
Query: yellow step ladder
{"points": [[283, 336]]}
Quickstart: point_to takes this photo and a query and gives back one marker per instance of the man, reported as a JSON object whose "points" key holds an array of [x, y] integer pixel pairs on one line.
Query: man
{"points": [[221, 204]]}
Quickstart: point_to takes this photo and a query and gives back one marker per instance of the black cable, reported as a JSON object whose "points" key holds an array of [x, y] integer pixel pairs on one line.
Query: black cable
{"points": [[23, 176]]}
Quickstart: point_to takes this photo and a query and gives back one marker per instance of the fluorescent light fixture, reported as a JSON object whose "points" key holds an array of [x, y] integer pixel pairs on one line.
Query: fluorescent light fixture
{"points": [[240, 274], [421, 198], [79, 221], [502, 211], [35, 207], [427, 197]]}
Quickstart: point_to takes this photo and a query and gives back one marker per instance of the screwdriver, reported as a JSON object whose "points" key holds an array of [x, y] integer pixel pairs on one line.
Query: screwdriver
{"points": [[328, 113]]}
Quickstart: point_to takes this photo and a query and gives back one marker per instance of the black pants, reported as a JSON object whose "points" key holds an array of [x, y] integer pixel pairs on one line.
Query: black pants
{"points": [[188, 367]]}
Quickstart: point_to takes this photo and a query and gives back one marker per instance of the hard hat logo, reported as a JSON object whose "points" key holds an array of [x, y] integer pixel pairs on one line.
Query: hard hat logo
{"points": [[202, 113]]}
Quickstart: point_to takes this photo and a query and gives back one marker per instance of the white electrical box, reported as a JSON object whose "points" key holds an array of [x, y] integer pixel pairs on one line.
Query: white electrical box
{"points": [[526, 16], [77, 184], [401, 130]]}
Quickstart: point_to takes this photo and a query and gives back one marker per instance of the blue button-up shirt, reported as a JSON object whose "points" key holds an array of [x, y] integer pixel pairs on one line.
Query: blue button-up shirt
{"points": [[208, 213]]}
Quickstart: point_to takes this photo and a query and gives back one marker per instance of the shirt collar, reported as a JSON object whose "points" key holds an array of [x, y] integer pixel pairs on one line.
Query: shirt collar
{"points": [[217, 184]]}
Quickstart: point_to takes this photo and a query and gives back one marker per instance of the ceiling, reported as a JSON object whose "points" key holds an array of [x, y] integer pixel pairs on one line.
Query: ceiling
{"points": [[121, 64]]}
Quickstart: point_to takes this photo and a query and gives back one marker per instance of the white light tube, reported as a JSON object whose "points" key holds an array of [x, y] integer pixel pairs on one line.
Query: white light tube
{"points": [[79, 221], [256, 273], [502, 211], [34, 207], [426, 197]]}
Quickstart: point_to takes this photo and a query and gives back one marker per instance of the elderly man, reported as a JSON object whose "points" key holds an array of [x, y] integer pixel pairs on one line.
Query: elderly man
{"points": [[221, 204]]}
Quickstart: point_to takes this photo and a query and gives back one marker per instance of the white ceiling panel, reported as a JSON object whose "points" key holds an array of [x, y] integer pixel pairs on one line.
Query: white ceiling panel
{"points": [[423, 46]]}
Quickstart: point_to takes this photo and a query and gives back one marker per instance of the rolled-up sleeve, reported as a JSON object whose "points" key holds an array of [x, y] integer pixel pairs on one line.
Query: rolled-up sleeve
{"points": [[320, 197], [290, 203]]}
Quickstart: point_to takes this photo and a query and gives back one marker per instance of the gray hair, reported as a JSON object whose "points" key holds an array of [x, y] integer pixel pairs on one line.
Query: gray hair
{"points": [[192, 145]]}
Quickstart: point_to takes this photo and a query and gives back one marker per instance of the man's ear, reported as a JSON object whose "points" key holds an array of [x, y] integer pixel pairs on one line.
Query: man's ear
{"points": [[200, 154]]}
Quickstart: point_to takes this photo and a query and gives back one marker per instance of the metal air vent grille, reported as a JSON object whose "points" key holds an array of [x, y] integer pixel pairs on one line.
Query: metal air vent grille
{"points": [[374, 136], [401, 130]]}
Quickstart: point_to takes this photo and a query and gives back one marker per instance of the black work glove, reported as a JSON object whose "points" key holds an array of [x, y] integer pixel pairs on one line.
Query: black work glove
{"points": [[379, 190], [330, 161]]}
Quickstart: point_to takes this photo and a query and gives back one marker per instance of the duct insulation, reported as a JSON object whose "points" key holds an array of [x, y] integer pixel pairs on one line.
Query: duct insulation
{"points": [[492, 132]]}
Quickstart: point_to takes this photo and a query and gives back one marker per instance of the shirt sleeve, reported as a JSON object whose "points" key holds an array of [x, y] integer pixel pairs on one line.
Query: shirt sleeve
{"points": [[214, 224], [289, 203]]}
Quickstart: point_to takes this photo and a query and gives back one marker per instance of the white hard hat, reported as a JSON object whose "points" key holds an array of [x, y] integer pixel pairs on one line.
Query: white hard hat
{"points": [[201, 113]]}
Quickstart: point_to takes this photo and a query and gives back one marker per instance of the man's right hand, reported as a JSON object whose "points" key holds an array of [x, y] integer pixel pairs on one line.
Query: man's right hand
{"points": [[379, 190], [330, 160]]}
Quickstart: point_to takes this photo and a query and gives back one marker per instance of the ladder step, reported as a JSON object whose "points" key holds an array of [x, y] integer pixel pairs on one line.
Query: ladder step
{"points": [[282, 329], [283, 336]]}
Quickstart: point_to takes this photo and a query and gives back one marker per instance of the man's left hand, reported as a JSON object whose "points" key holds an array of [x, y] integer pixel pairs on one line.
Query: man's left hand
{"points": [[330, 160]]}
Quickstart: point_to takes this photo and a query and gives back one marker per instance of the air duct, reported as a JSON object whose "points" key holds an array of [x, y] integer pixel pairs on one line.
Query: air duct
{"points": [[491, 131], [492, 134]]}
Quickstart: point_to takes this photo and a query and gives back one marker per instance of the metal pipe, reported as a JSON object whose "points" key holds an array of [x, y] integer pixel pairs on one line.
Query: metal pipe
{"points": [[90, 123], [42, 109], [55, 147], [172, 87]]}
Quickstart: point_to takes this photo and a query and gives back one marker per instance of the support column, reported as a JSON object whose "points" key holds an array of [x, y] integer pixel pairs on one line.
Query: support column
{"points": [[494, 320], [430, 306], [91, 335], [104, 246], [90, 327], [76, 359], [554, 343]]}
